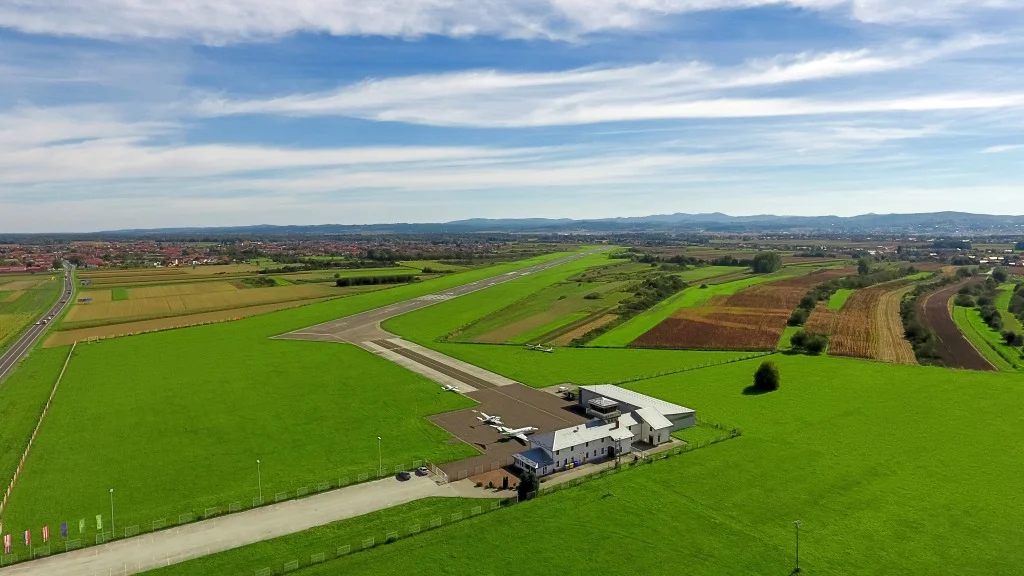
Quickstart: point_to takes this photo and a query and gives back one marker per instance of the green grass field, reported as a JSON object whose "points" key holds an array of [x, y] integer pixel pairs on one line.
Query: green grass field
{"points": [[175, 420], [839, 298], [988, 341], [326, 539], [691, 297], [786, 341], [864, 454], [1010, 322], [33, 301], [119, 294]]}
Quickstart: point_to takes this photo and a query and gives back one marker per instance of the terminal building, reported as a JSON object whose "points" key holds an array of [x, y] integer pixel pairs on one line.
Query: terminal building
{"points": [[621, 419]]}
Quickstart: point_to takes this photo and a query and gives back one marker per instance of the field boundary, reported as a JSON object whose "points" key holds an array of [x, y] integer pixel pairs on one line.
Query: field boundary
{"points": [[693, 368], [32, 438]]}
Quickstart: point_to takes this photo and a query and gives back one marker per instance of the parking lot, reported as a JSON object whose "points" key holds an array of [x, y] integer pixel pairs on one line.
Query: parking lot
{"points": [[518, 406]]}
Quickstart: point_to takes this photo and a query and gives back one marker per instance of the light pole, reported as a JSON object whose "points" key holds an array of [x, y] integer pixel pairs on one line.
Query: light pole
{"points": [[113, 532], [380, 462], [259, 480], [797, 524]]}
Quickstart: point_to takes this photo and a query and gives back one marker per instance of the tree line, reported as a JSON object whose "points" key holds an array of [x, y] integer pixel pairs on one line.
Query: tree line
{"points": [[373, 280]]}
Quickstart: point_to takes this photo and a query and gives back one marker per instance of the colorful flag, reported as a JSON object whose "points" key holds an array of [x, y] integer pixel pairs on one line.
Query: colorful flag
{"points": [[81, 525], [7, 543], [28, 537], [46, 534], [64, 530], [99, 522]]}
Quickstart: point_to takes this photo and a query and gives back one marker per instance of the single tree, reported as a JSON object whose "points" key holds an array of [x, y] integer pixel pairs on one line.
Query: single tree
{"points": [[766, 263], [766, 379], [999, 274], [528, 487], [863, 267]]}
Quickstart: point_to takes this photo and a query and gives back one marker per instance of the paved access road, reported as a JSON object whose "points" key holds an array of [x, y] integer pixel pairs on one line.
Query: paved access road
{"points": [[175, 545], [9, 360]]}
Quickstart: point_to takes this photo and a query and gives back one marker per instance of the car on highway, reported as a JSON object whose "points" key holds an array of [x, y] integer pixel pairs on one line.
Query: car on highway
{"points": [[403, 476]]}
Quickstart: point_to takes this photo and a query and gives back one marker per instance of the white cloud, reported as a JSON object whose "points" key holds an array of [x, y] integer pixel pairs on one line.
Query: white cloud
{"points": [[1003, 148], [226, 21], [662, 90]]}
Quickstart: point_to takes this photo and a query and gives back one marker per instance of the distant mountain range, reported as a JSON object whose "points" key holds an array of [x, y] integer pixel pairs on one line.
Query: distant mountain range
{"points": [[950, 223]]}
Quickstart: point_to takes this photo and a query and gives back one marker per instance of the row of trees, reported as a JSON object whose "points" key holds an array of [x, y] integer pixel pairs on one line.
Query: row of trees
{"points": [[920, 336], [374, 280]]}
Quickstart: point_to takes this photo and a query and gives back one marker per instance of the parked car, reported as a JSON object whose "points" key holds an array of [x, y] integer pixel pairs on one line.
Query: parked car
{"points": [[403, 475], [422, 471]]}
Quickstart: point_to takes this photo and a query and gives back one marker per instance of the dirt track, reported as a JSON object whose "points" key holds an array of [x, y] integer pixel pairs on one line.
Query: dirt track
{"points": [[956, 351]]}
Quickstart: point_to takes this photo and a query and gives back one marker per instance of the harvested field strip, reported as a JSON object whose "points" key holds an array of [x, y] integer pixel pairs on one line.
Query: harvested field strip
{"points": [[889, 343], [823, 320], [16, 285], [142, 308], [698, 274], [838, 300], [567, 337], [988, 342], [8, 297], [541, 334], [178, 289], [97, 296], [67, 337]]}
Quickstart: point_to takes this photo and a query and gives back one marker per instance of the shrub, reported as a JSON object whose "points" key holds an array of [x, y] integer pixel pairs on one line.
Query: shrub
{"points": [[965, 300], [766, 262], [767, 379], [592, 296], [1013, 339], [809, 342], [798, 318]]}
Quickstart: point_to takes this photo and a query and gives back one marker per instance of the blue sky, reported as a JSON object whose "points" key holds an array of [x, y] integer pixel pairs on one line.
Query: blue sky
{"points": [[139, 113]]}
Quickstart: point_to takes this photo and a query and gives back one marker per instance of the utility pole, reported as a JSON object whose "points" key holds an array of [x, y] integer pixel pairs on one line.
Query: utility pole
{"points": [[259, 479], [797, 524], [113, 532]]}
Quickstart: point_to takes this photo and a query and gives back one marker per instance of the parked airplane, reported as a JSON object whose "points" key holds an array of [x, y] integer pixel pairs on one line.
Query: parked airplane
{"points": [[450, 388], [539, 348], [483, 417], [517, 433]]}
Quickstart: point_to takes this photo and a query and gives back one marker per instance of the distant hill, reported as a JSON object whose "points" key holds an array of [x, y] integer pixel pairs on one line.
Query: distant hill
{"points": [[933, 223]]}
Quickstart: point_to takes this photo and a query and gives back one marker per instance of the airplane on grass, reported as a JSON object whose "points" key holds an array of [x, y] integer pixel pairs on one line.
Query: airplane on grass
{"points": [[450, 388], [540, 348], [517, 433], [483, 417]]}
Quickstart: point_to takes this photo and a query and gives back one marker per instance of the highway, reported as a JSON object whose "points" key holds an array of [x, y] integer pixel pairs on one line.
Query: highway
{"points": [[9, 360]]}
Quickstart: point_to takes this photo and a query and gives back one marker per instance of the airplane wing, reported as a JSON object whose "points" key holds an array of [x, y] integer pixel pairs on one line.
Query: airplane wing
{"points": [[522, 438]]}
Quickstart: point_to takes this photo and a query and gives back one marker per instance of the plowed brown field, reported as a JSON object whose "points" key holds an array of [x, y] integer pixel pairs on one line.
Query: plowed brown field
{"points": [[752, 319]]}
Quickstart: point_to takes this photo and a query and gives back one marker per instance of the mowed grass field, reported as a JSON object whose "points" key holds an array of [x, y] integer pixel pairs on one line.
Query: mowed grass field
{"points": [[865, 454], [174, 421], [839, 298], [23, 299]]}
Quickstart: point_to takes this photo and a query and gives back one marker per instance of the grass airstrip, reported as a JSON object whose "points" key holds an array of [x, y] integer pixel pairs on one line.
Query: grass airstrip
{"points": [[892, 469], [861, 452]]}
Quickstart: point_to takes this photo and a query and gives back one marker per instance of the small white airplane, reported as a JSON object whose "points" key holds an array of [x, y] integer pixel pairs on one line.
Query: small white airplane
{"points": [[450, 388], [483, 417], [517, 433]]}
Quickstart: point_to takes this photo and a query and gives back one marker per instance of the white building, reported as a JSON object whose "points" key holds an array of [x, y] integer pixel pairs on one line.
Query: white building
{"points": [[621, 419]]}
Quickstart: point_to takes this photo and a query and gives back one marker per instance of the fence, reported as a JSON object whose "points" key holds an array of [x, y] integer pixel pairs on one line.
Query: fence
{"points": [[35, 432], [384, 537], [93, 536], [483, 468]]}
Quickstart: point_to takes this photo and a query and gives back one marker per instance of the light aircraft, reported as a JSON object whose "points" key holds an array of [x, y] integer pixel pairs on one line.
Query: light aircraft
{"points": [[483, 417], [517, 433], [539, 348], [450, 388]]}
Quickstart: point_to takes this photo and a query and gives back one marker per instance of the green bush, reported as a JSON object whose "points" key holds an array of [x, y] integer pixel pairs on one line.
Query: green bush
{"points": [[767, 378]]}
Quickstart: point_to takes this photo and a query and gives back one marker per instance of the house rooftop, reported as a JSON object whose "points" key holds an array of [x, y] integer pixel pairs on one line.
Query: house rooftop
{"points": [[637, 399], [592, 431]]}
